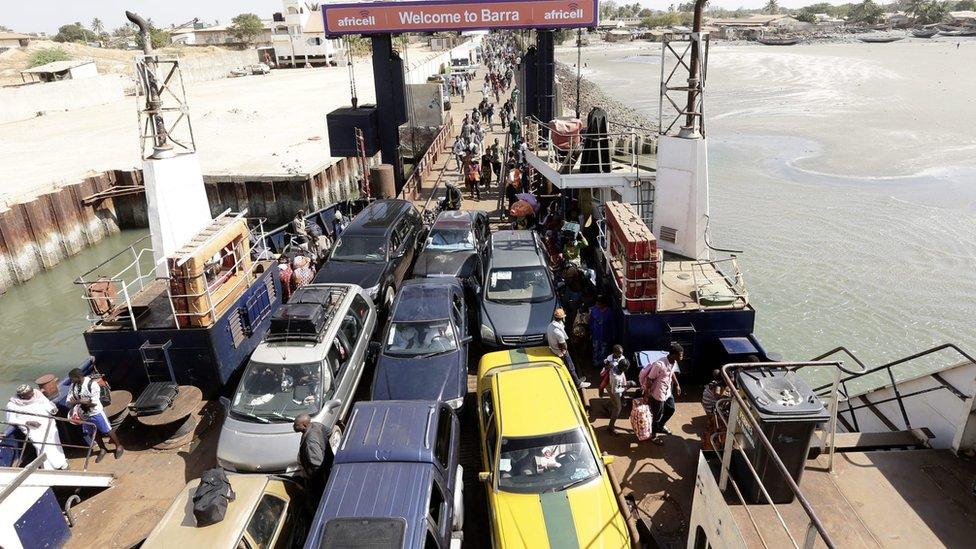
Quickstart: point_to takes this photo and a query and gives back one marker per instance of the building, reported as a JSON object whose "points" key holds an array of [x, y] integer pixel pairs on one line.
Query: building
{"points": [[967, 18], [897, 19], [11, 40], [749, 28], [220, 35], [61, 70], [298, 35], [618, 35]]}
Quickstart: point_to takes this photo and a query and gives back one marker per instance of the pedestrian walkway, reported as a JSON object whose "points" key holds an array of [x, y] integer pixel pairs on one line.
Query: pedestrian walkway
{"points": [[445, 168]]}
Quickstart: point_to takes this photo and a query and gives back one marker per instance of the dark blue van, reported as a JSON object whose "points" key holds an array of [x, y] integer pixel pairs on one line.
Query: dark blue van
{"points": [[396, 481], [424, 349]]}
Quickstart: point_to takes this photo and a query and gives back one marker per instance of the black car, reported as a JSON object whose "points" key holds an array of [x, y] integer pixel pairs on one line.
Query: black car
{"points": [[424, 351], [455, 247], [376, 250]]}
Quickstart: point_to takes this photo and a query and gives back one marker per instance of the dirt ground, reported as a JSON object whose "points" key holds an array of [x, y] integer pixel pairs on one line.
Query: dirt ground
{"points": [[108, 60]]}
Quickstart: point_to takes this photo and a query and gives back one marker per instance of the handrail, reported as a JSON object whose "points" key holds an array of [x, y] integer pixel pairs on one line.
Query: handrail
{"points": [[888, 367], [866, 370], [739, 405], [47, 431]]}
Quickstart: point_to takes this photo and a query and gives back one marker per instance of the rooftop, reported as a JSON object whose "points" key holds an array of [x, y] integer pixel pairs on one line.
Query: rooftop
{"points": [[424, 299], [58, 66], [386, 431]]}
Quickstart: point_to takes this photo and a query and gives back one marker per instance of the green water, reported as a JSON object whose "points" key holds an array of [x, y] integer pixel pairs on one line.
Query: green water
{"points": [[43, 319]]}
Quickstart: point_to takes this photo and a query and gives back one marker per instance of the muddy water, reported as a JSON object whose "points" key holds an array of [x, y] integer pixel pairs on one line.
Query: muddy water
{"points": [[848, 175], [43, 319]]}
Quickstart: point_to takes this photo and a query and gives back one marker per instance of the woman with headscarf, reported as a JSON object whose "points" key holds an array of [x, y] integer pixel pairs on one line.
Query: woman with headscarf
{"points": [[303, 273], [32, 413]]}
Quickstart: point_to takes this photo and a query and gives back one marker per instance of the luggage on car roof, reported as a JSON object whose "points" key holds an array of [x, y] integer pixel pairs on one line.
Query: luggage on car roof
{"points": [[298, 319], [211, 497]]}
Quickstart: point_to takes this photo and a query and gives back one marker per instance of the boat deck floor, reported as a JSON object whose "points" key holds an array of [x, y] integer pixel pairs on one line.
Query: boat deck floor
{"points": [[155, 310], [146, 481], [680, 281], [904, 498]]}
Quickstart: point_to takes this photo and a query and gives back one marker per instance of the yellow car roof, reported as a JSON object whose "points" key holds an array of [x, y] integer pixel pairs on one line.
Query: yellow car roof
{"points": [[504, 359], [534, 397]]}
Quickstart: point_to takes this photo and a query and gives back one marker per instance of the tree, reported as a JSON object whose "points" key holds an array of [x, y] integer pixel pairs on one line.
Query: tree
{"points": [[47, 55], [867, 12], [74, 33], [5, 29], [246, 26], [771, 7], [97, 27], [159, 38], [806, 17]]}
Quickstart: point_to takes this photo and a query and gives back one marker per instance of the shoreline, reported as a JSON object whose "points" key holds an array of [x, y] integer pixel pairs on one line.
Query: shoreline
{"points": [[592, 95]]}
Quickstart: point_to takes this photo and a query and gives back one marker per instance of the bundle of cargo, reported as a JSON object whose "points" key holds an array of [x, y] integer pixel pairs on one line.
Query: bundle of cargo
{"points": [[210, 272], [633, 256]]}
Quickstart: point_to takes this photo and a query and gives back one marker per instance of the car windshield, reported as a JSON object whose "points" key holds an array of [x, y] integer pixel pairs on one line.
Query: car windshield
{"points": [[271, 393], [450, 239], [546, 463], [360, 248], [415, 339], [518, 285]]}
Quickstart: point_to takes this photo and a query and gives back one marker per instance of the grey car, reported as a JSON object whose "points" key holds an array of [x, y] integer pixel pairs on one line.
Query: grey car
{"points": [[518, 296], [310, 362]]}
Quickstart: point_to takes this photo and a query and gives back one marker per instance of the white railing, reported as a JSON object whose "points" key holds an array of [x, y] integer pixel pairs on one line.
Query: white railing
{"points": [[563, 152], [128, 281]]}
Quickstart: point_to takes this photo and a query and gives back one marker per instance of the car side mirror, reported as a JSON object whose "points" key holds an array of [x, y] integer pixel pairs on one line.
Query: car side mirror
{"points": [[332, 405], [607, 459], [485, 476], [225, 402]]}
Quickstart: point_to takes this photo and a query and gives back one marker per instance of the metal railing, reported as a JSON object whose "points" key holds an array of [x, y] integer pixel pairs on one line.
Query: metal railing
{"points": [[893, 379], [563, 152], [414, 183], [739, 408], [51, 423], [131, 278], [128, 281], [734, 281]]}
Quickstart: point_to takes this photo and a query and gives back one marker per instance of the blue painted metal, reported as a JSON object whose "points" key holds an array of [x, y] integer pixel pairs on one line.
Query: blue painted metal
{"points": [[707, 328], [204, 357], [43, 525]]}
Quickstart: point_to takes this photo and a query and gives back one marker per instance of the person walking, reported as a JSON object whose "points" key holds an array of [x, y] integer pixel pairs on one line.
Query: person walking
{"points": [[473, 176], [458, 151], [315, 455], [496, 157], [657, 384], [557, 339], [86, 394], [31, 412], [619, 383], [615, 358], [486, 170], [601, 329]]}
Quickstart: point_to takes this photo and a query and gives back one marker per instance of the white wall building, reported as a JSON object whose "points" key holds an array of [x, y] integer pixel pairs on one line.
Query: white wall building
{"points": [[220, 35], [298, 35]]}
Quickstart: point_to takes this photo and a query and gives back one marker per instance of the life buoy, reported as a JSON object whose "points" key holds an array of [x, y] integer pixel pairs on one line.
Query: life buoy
{"points": [[101, 296]]}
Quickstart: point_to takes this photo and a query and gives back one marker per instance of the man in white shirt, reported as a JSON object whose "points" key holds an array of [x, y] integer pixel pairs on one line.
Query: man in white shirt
{"points": [[86, 394], [557, 338]]}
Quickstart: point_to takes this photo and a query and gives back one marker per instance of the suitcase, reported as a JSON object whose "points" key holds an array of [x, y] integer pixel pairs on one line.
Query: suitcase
{"points": [[156, 397], [641, 419], [305, 319]]}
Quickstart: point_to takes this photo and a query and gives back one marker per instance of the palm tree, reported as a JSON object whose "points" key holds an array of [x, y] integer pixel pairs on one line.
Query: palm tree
{"points": [[772, 7], [97, 27]]}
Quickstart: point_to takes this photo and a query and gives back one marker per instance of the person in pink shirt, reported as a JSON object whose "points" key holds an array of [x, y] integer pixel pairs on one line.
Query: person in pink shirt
{"points": [[656, 381]]}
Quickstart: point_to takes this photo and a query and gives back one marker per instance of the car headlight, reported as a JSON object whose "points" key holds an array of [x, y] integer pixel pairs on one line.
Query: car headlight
{"points": [[455, 403], [487, 334], [373, 292]]}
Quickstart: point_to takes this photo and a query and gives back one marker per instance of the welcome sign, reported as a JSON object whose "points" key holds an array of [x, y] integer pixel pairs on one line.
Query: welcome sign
{"points": [[391, 17]]}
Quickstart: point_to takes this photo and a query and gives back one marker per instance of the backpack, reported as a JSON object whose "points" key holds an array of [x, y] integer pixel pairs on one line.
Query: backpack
{"points": [[211, 497]]}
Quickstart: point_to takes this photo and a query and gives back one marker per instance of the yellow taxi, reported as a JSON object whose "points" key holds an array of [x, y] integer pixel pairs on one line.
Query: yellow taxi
{"points": [[547, 482]]}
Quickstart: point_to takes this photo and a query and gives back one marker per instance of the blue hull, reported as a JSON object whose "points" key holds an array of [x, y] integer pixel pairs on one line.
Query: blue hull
{"points": [[205, 357]]}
